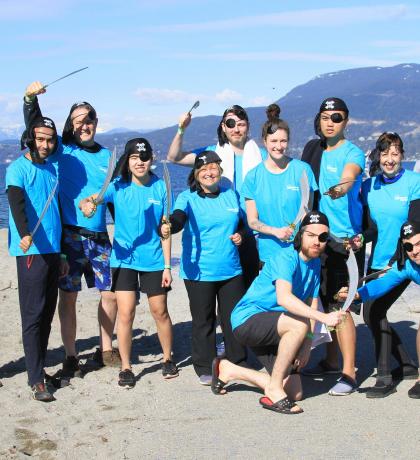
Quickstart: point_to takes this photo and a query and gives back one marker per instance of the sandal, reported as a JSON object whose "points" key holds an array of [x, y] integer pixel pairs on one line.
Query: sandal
{"points": [[217, 385], [283, 406]]}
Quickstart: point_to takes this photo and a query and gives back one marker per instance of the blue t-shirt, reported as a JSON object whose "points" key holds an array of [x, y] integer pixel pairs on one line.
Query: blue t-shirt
{"points": [[345, 213], [285, 265], [138, 214], [392, 278], [37, 181], [277, 198], [81, 174], [388, 206], [208, 254]]}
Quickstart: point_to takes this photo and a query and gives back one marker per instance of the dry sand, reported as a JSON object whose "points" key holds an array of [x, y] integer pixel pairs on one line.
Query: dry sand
{"points": [[94, 418]]}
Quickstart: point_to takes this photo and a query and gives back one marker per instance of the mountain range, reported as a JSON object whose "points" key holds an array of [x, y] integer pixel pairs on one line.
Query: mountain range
{"points": [[379, 99]]}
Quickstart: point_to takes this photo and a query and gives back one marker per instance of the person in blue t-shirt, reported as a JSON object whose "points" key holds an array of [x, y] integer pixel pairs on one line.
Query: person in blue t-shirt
{"points": [[239, 155], [273, 319], [82, 166], [338, 165], [389, 196], [31, 184], [272, 189], [210, 265], [138, 253], [405, 267]]}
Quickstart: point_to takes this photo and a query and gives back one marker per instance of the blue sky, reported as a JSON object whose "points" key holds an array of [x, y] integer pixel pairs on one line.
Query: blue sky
{"points": [[150, 60]]}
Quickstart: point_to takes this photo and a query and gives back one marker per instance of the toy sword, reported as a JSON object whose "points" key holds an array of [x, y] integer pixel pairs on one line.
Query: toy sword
{"points": [[44, 210], [304, 200], [65, 76], [109, 173], [353, 271]]}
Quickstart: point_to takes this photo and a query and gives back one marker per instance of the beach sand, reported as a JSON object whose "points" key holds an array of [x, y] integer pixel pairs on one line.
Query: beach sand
{"points": [[159, 419]]}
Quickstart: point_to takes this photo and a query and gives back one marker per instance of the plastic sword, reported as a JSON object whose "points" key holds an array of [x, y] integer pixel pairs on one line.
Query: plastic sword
{"points": [[353, 271], [45, 209], [65, 76], [196, 104], [375, 275], [304, 200], [110, 171]]}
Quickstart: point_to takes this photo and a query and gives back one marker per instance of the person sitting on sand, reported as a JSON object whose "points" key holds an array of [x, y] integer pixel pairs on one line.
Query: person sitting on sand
{"points": [[138, 254], [405, 267], [31, 183], [210, 266], [273, 319]]}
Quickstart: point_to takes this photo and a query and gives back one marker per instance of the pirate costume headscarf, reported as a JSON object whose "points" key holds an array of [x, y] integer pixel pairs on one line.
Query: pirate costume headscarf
{"points": [[28, 137]]}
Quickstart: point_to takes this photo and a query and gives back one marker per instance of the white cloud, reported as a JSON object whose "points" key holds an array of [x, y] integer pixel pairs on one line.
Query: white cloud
{"points": [[10, 103], [260, 100], [401, 48], [228, 95], [29, 10], [164, 96]]}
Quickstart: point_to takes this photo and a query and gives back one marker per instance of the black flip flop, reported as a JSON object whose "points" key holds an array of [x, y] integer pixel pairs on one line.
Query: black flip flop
{"points": [[283, 406], [217, 385]]}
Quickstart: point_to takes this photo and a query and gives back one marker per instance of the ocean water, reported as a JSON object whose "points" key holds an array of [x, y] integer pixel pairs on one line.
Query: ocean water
{"points": [[178, 175]]}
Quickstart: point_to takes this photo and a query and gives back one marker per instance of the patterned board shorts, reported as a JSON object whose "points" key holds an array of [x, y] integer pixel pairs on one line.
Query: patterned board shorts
{"points": [[88, 256]]}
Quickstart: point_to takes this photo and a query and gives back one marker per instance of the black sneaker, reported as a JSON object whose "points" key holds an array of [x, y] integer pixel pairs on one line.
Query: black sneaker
{"points": [[41, 393], [169, 369], [126, 379], [381, 390], [71, 367], [414, 392]]}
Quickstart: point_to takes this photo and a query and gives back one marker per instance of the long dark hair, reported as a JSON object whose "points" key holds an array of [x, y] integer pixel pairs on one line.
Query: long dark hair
{"points": [[236, 110]]}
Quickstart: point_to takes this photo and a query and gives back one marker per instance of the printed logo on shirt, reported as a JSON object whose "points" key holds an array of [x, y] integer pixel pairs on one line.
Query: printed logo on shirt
{"points": [[331, 168], [401, 198], [103, 169], [151, 200], [292, 187], [232, 209]]}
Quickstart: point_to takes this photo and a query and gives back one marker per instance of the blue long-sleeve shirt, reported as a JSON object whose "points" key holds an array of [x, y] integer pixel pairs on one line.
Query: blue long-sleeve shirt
{"points": [[381, 286]]}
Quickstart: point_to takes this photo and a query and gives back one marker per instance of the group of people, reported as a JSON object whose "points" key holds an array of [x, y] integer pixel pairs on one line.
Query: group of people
{"points": [[252, 261]]}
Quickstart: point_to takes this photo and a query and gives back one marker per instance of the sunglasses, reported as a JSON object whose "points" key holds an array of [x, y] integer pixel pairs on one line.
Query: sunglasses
{"points": [[231, 123], [322, 237], [409, 246], [335, 118]]}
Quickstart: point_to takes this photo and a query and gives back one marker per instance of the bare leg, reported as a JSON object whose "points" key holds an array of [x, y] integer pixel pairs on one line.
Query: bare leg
{"points": [[292, 332], [67, 314], [261, 379], [126, 312], [332, 351], [347, 340], [107, 315], [159, 309]]}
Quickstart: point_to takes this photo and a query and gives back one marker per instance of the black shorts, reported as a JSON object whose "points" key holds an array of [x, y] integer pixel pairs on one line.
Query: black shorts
{"points": [[260, 334], [127, 279]]}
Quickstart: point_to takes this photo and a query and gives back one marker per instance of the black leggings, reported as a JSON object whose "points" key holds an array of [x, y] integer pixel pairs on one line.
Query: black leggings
{"points": [[386, 340], [250, 261], [203, 296]]}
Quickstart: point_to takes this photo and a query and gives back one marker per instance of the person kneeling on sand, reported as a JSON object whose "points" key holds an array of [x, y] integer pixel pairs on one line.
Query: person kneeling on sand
{"points": [[405, 267], [273, 319]]}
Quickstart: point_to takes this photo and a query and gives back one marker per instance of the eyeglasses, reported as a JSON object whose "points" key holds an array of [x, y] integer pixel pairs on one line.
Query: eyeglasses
{"points": [[322, 237], [231, 123], [335, 118], [410, 246]]}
